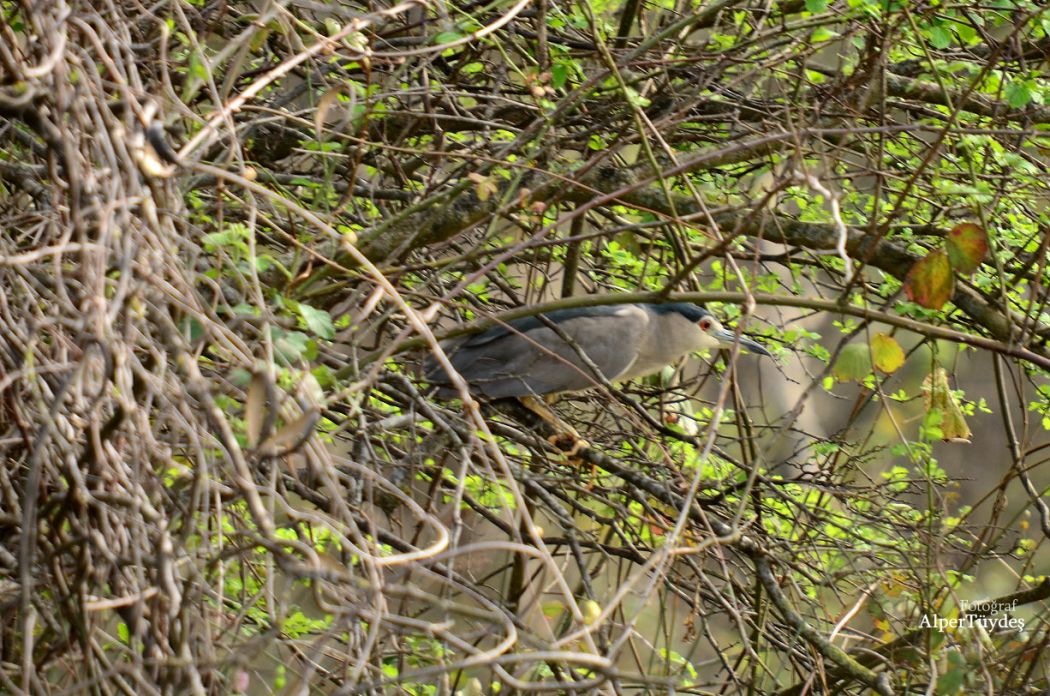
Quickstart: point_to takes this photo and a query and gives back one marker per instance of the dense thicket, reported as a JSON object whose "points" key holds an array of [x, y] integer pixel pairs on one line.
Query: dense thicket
{"points": [[230, 230]]}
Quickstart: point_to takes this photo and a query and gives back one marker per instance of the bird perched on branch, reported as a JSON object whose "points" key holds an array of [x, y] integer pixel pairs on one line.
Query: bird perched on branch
{"points": [[570, 350]]}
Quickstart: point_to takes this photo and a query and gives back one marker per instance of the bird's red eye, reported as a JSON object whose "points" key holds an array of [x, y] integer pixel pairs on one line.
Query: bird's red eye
{"points": [[705, 324]]}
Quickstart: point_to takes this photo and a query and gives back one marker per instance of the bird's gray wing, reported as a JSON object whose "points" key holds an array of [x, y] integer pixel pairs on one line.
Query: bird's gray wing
{"points": [[533, 359]]}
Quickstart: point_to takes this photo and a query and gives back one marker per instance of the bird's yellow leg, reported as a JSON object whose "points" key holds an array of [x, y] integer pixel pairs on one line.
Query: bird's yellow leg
{"points": [[565, 438], [541, 409]]}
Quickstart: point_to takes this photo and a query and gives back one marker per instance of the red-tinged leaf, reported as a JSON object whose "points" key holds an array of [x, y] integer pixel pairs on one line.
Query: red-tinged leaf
{"points": [[886, 353], [930, 281], [967, 247]]}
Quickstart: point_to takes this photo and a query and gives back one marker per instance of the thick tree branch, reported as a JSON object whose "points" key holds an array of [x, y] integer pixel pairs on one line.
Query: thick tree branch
{"points": [[975, 103]]}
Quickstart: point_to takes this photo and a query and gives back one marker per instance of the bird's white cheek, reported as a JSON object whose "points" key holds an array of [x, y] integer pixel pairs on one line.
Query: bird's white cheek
{"points": [[704, 342]]}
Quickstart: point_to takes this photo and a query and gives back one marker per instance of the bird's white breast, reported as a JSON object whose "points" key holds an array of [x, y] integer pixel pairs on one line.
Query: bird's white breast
{"points": [[667, 338]]}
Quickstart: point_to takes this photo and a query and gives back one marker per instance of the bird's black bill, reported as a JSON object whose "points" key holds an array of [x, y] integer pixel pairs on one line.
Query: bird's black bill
{"points": [[728, 338]]}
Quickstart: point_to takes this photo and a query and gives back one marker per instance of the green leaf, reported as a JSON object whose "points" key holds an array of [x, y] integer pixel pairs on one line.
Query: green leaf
{"points": [[822, 34], [886, 353], [559, 75], [967, 246], [280, 678], [930, 428], [234, 234], [930, 281], [447, 37], [635, 98], [853, 363], [940, 37], [193, 329], [1018, 93], [816, 5], [291, 346], [951, 681], [198, 65], [966, 33], [317, 320]]}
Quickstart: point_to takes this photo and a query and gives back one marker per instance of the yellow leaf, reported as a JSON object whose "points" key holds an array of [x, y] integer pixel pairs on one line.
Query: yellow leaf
{"points": [[591, 611], [886, 353]]}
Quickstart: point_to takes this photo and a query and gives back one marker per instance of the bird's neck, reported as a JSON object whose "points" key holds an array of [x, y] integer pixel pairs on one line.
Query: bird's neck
{"points": [[662, 348]]}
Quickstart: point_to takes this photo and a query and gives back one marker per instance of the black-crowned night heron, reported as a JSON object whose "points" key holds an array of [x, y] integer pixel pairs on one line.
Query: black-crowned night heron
{"points": [[544, 354]]}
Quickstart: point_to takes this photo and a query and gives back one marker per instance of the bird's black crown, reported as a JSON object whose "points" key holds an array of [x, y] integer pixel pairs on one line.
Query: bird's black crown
{"points": [[692, 312]]}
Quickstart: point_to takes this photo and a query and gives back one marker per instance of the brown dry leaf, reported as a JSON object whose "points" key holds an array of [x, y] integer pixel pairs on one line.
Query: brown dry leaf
{"points": [[257, 405], [291, 436], [938, 397]]}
